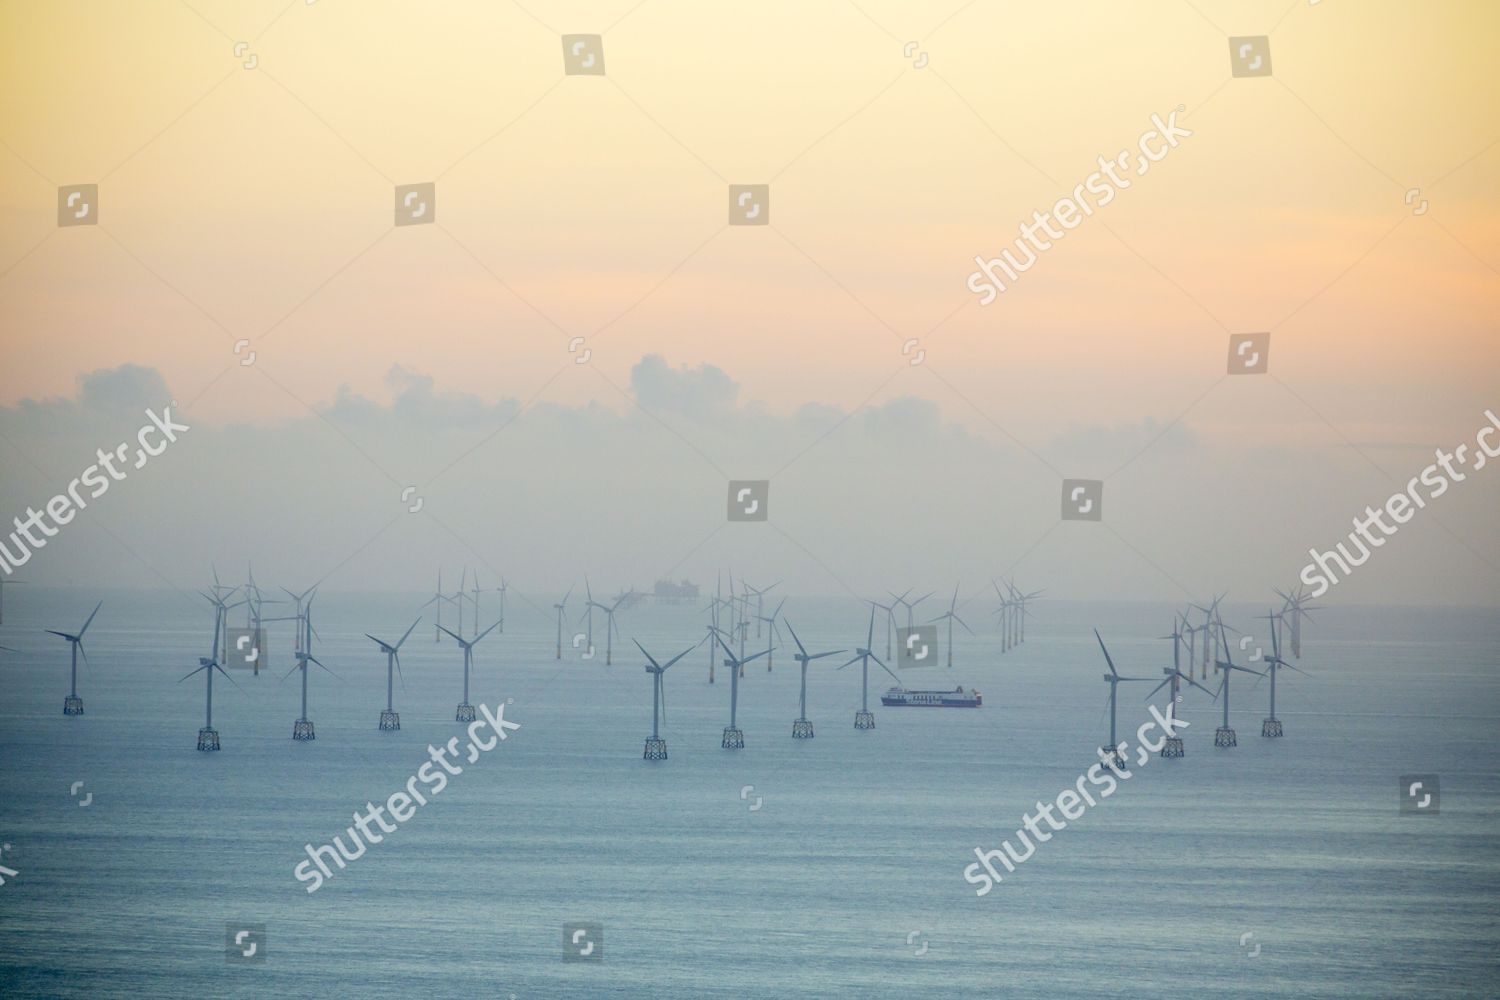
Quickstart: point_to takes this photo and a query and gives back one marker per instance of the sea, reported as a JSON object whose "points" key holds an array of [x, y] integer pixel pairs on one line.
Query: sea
{"points": [[829, 867]]}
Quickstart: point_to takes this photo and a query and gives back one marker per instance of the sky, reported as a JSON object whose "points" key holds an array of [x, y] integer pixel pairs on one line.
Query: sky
{"points": [[247, 156]]}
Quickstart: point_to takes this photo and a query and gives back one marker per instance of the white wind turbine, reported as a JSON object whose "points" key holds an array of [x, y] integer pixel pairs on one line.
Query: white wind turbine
{"points": [[1113, 679], [302, 729], [802, 729], [863, 719], [734, 737], [1224, 735], [1173, 745], [656, 747], [72, 704], [951, 615], [208, 736], [559, 607], [390, 719], [465, 711]]}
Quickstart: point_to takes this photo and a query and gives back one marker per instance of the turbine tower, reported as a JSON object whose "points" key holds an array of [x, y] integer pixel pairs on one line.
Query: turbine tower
{"points": [[1224, 735], [1173, 745], [863, 719], [390, 719], [952, 616], [610, 628], [208, 736], [802, 729], [1113, 679], [439, 598], [656, 747], [734, 738], [1296, 604], [559, 608], [302, 729], [772, 633], [890, 622], [465, 711], [72, 704], [1272, 725]]}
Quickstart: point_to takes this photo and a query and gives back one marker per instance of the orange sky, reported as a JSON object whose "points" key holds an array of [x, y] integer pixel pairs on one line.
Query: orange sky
{"points": [[256, 204]]}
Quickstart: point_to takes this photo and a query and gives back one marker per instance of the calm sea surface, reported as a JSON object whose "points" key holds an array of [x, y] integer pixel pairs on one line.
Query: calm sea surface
{"points": [[1281, 868]]}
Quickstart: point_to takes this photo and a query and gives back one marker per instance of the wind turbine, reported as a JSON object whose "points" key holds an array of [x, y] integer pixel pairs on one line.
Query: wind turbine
{"points": [[1021, 613], [952, 616], [713, 624], [863, 719], [72, 704], [1224, 735], [559, 608], [1210, 614], [1004, 613], [802, 729], [759, 602], [465, 711], [1113, 679], [302, 729], [772, 633], [1173, 745], [1272, 725], [656, 747], [1296, 604], [890, 621], [610, 628], [911, 606], [390, 719], [439, 598], [208, 736], [734, 738], [588, 610]]}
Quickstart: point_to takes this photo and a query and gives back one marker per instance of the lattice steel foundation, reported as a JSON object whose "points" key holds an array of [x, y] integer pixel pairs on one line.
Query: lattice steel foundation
{"points": [[734, 739], [390, 721], [302, 729], [864, 720], [1115, 755], [1173, 747], [208, 739], [465, 713], [72, 705], [656, 748], [802, 729], [1271, 727], [1224, 737]]}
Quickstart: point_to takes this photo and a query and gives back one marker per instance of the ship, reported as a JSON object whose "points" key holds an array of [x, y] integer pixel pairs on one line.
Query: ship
{"points": [[899, 697]]}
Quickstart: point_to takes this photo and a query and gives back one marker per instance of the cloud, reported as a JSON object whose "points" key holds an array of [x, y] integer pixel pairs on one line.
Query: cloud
{"points": [[705, 392]]}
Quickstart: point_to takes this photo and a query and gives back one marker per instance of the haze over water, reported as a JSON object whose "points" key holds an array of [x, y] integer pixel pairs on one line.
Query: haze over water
{"points": [[860, 839]]}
